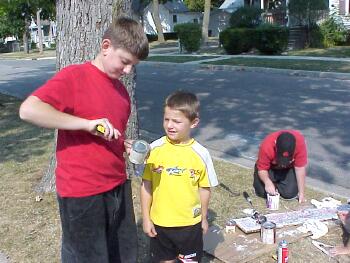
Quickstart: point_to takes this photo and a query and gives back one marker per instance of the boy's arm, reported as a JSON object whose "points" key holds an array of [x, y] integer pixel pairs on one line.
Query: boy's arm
{"points": [[204, 196], [37, 112], [146, 202]]}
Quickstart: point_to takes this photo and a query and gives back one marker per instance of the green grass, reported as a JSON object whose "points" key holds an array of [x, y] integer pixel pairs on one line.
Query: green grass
{"points": [[337, 52], [33, 54], [294, 64], [30, 230], [178, 59]]}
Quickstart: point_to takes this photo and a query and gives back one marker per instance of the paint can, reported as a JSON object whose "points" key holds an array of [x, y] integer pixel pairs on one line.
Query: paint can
{"points": [[282, 252], [139, 151], [268, 232], [230, 226], [273, 201]]}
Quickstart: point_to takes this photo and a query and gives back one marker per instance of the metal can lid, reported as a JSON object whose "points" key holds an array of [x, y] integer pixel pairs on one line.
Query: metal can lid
{"points": [[231, 222], [140, 146], [269, 225]]}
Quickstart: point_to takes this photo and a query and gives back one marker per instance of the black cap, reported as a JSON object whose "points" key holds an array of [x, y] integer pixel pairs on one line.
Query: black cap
{"points": [[285, 146]]}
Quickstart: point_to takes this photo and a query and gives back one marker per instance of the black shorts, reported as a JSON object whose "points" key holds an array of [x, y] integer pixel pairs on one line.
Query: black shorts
{"points": [[177, 242]]}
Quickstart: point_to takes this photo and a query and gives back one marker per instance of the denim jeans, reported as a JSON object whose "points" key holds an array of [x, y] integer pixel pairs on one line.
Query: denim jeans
{"points": [[92, 227]]}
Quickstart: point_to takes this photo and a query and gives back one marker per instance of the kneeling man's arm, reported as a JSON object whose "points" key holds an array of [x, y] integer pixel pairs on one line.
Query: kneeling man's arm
{"points": [[300, 173]]}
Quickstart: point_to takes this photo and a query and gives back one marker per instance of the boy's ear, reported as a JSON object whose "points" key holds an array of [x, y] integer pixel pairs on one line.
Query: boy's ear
{"points": [[106, 44], [195, 123]]}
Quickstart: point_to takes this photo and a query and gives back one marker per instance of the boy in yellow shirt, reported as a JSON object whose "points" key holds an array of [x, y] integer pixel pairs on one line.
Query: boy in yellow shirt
{"points": [[175, 190]]}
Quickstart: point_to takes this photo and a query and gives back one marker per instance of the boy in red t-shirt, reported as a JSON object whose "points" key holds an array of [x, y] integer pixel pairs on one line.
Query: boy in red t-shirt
{"points": [[90, 172], [281, 165]]}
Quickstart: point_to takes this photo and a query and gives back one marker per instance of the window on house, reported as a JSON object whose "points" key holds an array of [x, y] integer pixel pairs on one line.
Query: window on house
{"points": [[195, 20], [174, 18]]}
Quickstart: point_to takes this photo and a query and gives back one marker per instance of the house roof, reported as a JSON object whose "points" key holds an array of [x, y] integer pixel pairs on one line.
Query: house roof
{"points": [[231, 4], [176, 6]]}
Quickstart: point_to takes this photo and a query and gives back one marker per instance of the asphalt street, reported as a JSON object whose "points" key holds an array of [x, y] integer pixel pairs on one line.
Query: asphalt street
{"points": [[238, 108]]}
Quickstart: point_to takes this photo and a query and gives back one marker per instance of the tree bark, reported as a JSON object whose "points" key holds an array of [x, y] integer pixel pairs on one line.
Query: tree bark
{"points": [[206, 17], [157, 22], [40, 32], [25, 36]]}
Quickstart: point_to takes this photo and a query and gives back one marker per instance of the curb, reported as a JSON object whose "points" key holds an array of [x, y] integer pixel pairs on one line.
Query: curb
{"points": [[297, 73]]}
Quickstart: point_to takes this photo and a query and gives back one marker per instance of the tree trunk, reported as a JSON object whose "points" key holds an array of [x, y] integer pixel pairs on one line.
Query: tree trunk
{"points": [[205, 25], [157, 22], [40, 32], [25, 36], [50, 33]]}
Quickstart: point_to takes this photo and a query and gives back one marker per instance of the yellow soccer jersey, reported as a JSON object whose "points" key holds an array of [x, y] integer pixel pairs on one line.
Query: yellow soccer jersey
{"points": [[176, 172]]}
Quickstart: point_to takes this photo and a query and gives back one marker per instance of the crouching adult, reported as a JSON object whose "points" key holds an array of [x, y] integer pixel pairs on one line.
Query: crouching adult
{"points": [[281, 165]]}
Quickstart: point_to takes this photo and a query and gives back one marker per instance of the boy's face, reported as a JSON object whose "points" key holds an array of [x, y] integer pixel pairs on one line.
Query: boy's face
{"points": [[177, 126], [116, 61]]}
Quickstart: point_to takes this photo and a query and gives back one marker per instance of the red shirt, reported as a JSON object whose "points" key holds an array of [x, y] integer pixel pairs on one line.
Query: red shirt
{"points": [[87, 164], [267, 151]]}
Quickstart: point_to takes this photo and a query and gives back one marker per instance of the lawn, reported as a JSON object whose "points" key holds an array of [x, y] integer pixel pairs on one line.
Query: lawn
{"points": [[294, 64], [178, 59], [337, 52], [30, 229]]}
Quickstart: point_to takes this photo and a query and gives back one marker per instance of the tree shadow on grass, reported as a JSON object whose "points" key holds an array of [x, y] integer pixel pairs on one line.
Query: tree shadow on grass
{"points": [[19, 141]]}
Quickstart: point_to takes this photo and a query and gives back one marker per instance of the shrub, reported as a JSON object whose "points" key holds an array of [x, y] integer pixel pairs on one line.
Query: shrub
{"points": [[152, 37], [271, 39], [247, 17], [316, 37], [170, 35], [334, 32], [167, 36], [237, 40], [190, 36], [33, 45]]}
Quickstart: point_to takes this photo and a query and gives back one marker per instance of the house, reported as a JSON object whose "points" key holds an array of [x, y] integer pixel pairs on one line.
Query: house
{"points": [[341, 10], [171, 13], [275, 13], [49, 30], [219, 20], [232, 5]]}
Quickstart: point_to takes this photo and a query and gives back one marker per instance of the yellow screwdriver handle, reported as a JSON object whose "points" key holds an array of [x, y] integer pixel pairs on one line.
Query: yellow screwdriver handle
{"points": [[100, 129]]}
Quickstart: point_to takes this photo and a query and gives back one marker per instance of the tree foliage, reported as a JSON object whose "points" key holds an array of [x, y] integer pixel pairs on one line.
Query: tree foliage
{"points": [[306, 12], [15, 13], [246, 17], [198, 5]]}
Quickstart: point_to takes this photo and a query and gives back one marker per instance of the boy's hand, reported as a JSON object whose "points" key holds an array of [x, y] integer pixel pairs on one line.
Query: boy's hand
{"points": [[127, 145], [205, 225], [148, 228], [106, 129]]}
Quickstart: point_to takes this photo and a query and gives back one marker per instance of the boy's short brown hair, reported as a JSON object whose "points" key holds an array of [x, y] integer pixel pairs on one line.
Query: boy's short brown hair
{"points": [[186, 102], [125, 32]]}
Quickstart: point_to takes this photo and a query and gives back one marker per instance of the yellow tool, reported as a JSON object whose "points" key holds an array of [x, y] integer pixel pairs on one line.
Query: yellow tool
{"points": [[100, 129]]}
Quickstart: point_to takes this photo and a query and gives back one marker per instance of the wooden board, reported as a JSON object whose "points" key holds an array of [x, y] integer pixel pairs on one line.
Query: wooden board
{"points": [[239, 247], [292, 218]]}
